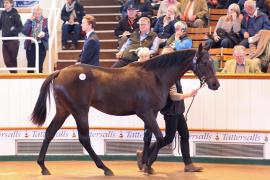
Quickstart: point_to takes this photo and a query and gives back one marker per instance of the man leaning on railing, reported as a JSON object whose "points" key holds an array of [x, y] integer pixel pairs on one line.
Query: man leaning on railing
{"points": [[11, 26]]}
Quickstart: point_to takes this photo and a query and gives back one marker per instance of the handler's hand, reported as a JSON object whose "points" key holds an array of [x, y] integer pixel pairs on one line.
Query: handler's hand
{"points": [[119, 55]]}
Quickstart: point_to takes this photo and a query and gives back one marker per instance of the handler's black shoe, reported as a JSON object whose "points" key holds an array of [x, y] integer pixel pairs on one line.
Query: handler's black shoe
{"points": [[192, 168], [139, 155]]}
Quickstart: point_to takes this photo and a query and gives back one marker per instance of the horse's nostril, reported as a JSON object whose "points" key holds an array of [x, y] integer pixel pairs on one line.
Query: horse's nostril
{"points": [[216, 85]]}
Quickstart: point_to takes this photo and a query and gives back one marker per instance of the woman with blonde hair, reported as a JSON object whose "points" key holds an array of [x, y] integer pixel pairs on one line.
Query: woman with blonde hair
{"points": [[164, 5], [37, 27], [164, 26], [227, 29]]}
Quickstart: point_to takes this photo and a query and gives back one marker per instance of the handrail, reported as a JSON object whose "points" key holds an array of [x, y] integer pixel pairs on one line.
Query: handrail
{"points": [[54, 10], [36, 68], [53, 17]]}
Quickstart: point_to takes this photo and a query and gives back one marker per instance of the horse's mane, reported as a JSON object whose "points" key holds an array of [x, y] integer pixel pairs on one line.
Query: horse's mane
{"points": [[165, 60]]}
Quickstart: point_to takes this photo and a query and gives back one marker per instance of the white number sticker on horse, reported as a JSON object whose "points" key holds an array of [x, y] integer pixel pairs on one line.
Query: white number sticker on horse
{"points": [[82, 76]]}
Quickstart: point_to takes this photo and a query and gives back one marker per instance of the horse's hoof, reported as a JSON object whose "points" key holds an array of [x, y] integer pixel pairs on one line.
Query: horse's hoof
{"points": [[108, 173], [139, 159], [45, 172], [148, 170]]}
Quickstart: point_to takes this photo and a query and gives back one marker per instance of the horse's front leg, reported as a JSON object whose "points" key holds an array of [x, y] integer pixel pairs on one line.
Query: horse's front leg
{"points": [[142, 156], [83, 131], [149, 119]]}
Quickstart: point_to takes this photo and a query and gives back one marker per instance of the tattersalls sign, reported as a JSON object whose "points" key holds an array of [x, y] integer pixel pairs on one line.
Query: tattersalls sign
{"points": [[137, 135], [99, 137], [229, 137]]}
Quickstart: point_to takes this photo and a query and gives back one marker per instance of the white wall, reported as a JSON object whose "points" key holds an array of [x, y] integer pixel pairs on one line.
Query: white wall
{"points": [[239, 104]]}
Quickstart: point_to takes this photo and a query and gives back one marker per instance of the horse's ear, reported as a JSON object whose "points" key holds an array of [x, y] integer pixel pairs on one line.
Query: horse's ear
{"points": [[200, 48], [206, 47]]}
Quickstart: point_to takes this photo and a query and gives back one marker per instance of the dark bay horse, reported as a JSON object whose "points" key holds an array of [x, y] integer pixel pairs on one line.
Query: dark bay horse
{"points": [[140, 88]]}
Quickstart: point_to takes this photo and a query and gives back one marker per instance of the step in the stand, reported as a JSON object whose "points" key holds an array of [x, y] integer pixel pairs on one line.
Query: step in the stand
{"points": [[101, 9], [99, 2], [106, 25], [64, 63], [74, 54], [105, 34], [104, 44], [114, 17]]}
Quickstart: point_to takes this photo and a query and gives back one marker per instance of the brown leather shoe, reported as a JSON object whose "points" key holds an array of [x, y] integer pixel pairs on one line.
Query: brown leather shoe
{"points": [[192, 168], [139, 155]]}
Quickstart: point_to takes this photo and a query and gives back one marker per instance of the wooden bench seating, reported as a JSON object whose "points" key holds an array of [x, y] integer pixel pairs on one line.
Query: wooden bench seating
{"points": [[223, 54], [198, 35]]}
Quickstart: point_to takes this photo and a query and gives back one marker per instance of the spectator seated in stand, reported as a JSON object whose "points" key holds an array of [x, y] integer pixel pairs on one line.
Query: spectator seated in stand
{"points": [[179, 40], [260, 4], [240, 63], [254, 20], [164, 5], [72, 14], [194, 12], [144, 8], [164, 26], [227, 30], [126, 25], [142, 38]]}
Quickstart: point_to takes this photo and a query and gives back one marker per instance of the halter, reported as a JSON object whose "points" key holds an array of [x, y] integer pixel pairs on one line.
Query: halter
{"points": [[197, 71]]}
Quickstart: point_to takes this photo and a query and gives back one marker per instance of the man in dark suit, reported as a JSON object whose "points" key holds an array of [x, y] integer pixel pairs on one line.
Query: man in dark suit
{"points": [[91, 46]]}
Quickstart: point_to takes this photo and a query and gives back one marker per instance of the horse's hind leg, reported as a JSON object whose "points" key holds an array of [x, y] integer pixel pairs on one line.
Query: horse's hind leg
{"points": [[83, 131], [55, 125]]}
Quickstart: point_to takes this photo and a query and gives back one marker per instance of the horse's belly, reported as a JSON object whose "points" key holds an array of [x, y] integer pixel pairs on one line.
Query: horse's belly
{"points": [[117, 110]]}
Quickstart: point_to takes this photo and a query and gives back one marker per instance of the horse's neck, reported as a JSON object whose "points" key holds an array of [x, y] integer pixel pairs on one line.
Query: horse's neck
{"points": [[171, 74]]}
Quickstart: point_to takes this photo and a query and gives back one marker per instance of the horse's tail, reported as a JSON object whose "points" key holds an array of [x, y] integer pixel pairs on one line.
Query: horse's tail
{"points": [[39, 113]]}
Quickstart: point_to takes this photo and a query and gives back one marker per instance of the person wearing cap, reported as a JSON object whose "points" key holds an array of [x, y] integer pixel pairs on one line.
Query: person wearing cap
{"points": [[144, 8], [127, 25], [142, 38]]}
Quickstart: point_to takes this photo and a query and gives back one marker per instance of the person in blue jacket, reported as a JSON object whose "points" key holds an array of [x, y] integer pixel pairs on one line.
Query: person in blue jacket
{"points": [[179, 40]]}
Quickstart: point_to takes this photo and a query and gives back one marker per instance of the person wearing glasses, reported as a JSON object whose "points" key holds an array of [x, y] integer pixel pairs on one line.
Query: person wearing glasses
{"points": [[142, 38]]}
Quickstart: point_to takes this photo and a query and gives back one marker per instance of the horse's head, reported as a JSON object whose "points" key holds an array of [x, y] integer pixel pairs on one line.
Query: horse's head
{"points": [[203, 67]]}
